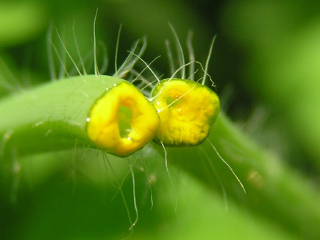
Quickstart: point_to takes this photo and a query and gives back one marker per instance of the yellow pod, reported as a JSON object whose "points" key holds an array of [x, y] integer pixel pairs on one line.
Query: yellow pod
{"points": [[187, 111], [122, 121]]}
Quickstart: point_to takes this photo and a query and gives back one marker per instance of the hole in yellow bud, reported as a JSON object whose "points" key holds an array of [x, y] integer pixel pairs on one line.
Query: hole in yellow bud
{"points": [[124, 121]]}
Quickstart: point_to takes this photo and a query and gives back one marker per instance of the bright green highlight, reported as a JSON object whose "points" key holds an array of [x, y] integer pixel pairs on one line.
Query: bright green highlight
{"points": [[187, 111], [122, 120]]}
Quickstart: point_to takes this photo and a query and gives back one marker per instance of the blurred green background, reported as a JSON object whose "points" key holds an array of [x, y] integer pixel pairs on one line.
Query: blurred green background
{"points": [[265, 63]]}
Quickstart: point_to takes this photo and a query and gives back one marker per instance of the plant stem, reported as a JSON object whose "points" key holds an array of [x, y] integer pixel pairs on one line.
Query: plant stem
{"points": [[274, 191]]}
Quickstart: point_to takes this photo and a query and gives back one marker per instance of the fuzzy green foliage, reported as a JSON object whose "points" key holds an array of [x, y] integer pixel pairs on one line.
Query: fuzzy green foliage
{"points": [[68, 194]]}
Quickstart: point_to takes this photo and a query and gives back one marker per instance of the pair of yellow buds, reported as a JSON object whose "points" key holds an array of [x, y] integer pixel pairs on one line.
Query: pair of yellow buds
{"points": [[179, 113]]}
